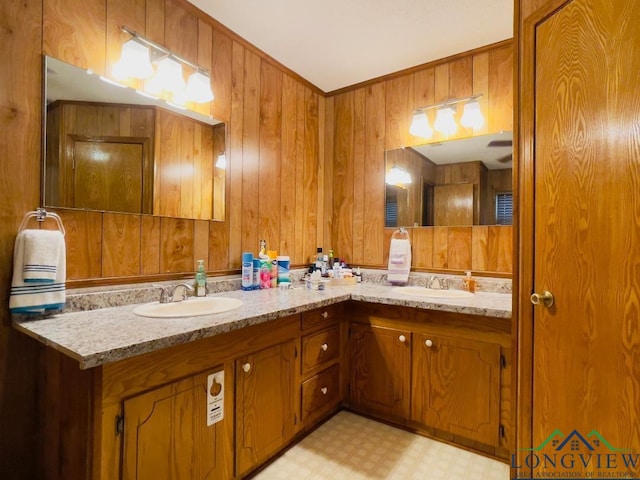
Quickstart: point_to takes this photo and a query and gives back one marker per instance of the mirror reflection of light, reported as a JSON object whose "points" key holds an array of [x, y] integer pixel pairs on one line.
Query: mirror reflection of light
{"points": [[100, 156], [222, 161], [398, 176]]}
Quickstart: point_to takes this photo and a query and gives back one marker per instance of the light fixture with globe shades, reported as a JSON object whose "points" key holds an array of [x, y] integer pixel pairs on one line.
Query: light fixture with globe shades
{"points": [[162, 71], [445, 121]]}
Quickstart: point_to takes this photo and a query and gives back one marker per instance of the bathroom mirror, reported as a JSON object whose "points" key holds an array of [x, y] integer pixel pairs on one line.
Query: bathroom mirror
{"points": [[109, 148], [453, 183]]}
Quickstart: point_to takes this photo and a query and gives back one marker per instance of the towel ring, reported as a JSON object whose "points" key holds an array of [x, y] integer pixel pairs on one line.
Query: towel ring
{"points": [[41, 215], [400, 234]]}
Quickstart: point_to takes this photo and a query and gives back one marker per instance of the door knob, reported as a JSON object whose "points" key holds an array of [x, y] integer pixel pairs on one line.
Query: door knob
{"points": [[246, 367], [428, 343], [402, 338], [324, 390], [546, 298], [325, 314], [324, 347]]}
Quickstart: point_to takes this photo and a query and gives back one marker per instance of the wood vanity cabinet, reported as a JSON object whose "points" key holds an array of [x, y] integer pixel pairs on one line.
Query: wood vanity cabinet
{"points": [[441, 373], [265, 412], [456, 386], [380, 371], [321, 346], [165, 433]]}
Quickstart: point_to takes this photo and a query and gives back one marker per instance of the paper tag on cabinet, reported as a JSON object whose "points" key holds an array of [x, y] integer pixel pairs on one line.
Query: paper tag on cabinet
{"points": [[215, 398]]}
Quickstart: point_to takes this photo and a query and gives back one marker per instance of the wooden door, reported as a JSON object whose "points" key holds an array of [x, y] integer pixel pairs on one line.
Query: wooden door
{"points": [[456, 386], [109, 175], [380, 370], [586, 222], [265, 412], [166, 434], [454, 205]]}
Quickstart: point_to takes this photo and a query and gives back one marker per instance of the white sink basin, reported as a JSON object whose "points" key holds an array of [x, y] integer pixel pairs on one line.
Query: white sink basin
{"points": [[432, 292], [188, 308]]}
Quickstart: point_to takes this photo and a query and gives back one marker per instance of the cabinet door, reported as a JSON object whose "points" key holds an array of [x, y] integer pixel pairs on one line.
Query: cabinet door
{"points": [[456, 386], [265, 410], [166, 434], [380, 370]]}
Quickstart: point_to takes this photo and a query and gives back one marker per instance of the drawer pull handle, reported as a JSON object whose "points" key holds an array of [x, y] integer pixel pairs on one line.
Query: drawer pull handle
{"points": [[246, 367], [402, 338], [428, 343], [325, 314], [324, 390], [324, 347]]}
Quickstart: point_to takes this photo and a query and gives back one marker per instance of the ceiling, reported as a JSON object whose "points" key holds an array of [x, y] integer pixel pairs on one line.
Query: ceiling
{"points": [[471, 149], [335, 44]]}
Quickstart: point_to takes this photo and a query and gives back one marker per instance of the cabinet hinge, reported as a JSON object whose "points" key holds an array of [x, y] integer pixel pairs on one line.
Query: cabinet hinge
{"points": [[119, 424], [501, 431], [295, 351], [503, 361]]}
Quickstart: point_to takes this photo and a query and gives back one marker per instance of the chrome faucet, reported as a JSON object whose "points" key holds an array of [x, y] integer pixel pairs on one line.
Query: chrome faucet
{"points": [[438, 283], [167, 293]]}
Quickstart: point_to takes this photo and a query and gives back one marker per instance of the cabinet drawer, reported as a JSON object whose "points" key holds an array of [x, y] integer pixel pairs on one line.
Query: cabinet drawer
{"points": [[320, 348], [321, 392], [320, 316]]}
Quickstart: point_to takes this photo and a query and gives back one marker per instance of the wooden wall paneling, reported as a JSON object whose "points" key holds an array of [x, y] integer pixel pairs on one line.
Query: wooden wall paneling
{"points": [[205, 58], [500, 248], [479, 248], [422, 247], [218, 246], [201, 243], [154, 25], [461, 85], [188, 180], [20, 158], [288, 167], [311, 149], [399, 107], [149, 245], [181, 31], [300, 214], [423, 96], [74, 32], [84, 243], [359, 169], [122, 12], [209, 145], [176, 245], [440, 246], [343, 173], [481, 85], [374, 172], [501, 89], [388, 232], [320, 215], [327, 219], [121, 254], [221, 75], [166, 186], [441, 93], [251, 157], [236, 156], [270, 152], [459, 248]]}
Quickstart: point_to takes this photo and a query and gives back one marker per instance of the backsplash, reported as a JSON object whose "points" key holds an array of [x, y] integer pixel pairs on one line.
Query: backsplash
{"points": [[93, 298]]}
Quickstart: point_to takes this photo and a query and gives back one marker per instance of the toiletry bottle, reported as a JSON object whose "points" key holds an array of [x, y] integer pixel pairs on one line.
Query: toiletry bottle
{"points": [[247, 271], [273, 257], [469, 283], [324, 265], [358, 275], [283, 269], [201, 280], [256, 274], [331, 259], [319, 257]]}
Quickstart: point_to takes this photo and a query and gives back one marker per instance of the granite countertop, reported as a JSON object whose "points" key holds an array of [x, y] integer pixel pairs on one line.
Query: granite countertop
{"points": [[105, 335]]}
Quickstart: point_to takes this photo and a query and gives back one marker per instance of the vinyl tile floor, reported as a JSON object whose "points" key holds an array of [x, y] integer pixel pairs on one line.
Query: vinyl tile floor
{"points": [[351, 447]]}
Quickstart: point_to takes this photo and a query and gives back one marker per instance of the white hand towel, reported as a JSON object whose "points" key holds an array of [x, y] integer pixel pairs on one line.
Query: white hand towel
{"points": [[41, 252], [37, 297], [399, 261]]}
